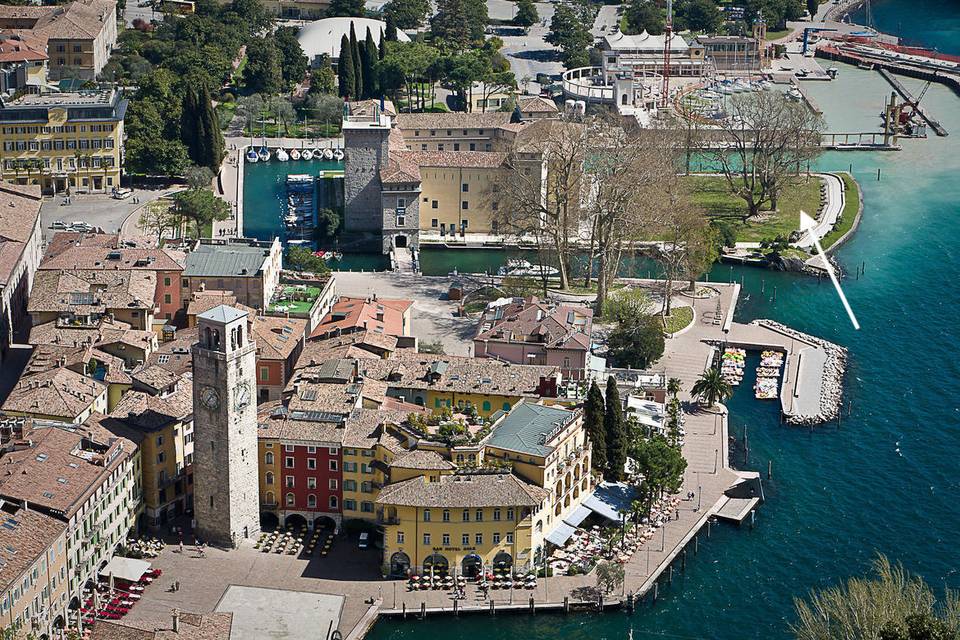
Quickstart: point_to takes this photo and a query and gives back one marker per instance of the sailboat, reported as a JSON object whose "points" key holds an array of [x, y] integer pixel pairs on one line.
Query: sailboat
{"points": [[251, 155], [282, 155]]}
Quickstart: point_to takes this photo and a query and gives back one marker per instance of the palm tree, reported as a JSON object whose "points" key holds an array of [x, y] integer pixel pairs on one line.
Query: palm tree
{"points": [[711, 386], [673, 386]]}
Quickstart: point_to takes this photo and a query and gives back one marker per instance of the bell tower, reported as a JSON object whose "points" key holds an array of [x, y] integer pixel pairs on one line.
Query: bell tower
{"points": [[226, 502]]}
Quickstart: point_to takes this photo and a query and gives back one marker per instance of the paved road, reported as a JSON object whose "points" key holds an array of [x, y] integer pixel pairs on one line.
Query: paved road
{"points": [[98, 210], [134, 11], [433, 315], [831, 211], [606, 21], [528, 53]]}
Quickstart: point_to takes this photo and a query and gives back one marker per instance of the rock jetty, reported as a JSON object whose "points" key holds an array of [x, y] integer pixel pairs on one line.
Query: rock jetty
{"points": [[831, 385]]}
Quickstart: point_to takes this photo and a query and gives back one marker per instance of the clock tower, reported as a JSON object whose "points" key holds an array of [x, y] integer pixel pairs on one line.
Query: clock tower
{"points": [[226, 494]]}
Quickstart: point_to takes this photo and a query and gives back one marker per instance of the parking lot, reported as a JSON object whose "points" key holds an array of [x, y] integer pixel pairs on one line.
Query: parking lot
{"points": [[99, 210]]}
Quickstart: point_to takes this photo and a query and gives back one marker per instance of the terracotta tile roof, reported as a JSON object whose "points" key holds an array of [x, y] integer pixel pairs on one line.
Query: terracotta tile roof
{"points": [[465, 159], [155, 377], [203, 301], [277, 338], [25, 536], [79, 19], [531, 321], [87, 291], [380, 316], [63, 240], [393, 404], [56, 392], [367, 107], [175, 355], [536, 104], [365, 429], [111, 258], [58, 468], [407, 369], [21, 47], [463, 491], [424, 460], [356, 344], [193, 626], [326, 397], [452, 120], [146, 412], [19, 210], [105, 333], [110, 369], [401, 168]]}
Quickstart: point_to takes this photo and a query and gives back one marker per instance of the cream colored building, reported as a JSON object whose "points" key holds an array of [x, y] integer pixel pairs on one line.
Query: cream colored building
{"points": [[80, 35], [64, 141]]}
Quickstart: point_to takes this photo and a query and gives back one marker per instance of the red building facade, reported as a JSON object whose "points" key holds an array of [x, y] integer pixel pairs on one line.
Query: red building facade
{"points": [[310, 487]]}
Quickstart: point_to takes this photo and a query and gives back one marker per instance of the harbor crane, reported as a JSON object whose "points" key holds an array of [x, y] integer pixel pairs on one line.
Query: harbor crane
{"points": [[806, 36]]}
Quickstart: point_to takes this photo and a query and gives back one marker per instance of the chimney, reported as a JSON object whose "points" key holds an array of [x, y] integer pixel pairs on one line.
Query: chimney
{"points": [[176, 620]]}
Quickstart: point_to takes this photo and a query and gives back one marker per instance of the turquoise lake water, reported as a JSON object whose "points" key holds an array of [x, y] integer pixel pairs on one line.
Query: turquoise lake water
{"points": [[886, 481]]}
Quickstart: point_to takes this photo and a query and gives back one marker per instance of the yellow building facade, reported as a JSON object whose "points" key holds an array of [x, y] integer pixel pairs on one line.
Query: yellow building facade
{"points": [[484, 521], [65, 142]]}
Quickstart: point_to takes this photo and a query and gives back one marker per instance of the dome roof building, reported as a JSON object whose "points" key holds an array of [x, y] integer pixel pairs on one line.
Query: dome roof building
{"points": [[323, 36]]}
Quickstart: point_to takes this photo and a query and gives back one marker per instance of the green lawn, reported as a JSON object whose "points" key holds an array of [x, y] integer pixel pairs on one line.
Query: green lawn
{"points": [[679, 318], [296, 300], [775, 35], [712, 194], [849, 214]]}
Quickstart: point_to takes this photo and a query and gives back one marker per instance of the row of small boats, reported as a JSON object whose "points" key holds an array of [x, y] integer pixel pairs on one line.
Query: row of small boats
{"points": [[263, 154]]}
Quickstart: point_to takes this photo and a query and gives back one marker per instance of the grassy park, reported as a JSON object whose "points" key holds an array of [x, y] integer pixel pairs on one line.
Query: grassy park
{"points": [[713, 194]]}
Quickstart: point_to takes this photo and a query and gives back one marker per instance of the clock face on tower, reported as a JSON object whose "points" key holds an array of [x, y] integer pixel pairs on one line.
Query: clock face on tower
{"points": [[210, 398], [241, 397]]}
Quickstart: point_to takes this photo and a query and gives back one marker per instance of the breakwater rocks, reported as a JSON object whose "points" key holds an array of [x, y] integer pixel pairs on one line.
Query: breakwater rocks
{"points": [[831, 385]]}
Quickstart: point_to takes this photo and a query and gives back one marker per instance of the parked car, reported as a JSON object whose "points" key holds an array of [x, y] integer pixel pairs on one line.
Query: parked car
{"points": [[120, 194], [58, 224], [79, 225], [364, 540]]}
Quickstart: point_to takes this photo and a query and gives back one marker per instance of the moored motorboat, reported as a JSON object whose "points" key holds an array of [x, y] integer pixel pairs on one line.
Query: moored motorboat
{"points": [[264, 154], [251, 155], [306, 154], [282, 155], [294, 154], [338, 155], [328, 154]]}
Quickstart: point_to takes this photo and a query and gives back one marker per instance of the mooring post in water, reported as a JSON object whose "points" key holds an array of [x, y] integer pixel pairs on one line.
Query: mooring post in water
{"points": [[851, 168], [752, 517], [696, 544], [769, 469], [600, 603], [403, 615], [656, 591], [709, 522], [762, 282], [774, 293], [670, 575], [566, 604], [878, 174], [456, 607], [423, 610], [493, 610], [683, 560]]}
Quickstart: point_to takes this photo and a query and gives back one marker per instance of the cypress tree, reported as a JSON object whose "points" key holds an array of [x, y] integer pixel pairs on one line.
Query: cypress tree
{"points": [[346, 72], [383, 45], [369, 57], [391, 30], [357, 64], [212, 140], [615, 432], [593, 414]]}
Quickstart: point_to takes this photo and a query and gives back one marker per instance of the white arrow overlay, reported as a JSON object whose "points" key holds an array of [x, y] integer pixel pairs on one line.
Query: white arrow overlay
{"points": [[807, 224]]}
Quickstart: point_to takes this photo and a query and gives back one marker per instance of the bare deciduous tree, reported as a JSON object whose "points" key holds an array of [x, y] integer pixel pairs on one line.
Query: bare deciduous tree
{"points": [[764, 143], [543, 191]]}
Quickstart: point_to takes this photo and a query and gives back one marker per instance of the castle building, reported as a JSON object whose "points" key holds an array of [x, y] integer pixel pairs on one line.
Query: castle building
{"points": [[226, 491]]}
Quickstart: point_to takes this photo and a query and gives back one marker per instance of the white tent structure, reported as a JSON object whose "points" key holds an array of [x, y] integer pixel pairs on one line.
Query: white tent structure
{"points": [[129, 569], [322, 37]]}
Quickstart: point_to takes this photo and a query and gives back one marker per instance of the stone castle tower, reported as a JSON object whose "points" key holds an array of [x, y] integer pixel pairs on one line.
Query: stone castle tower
{"points": [[366, 151], [226, 487]]}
